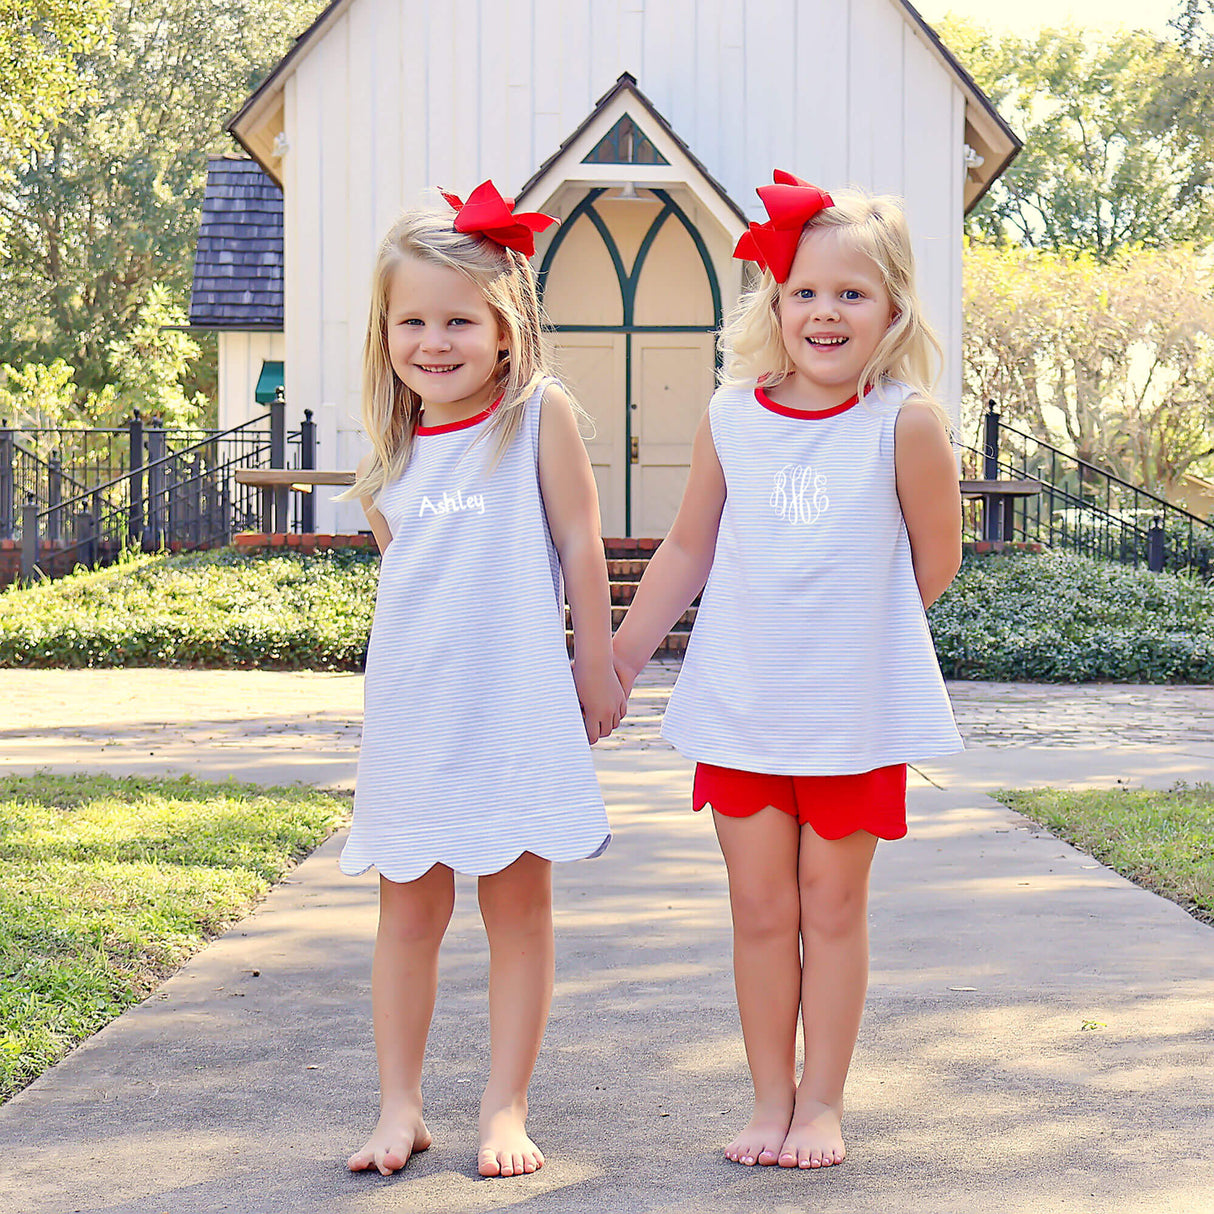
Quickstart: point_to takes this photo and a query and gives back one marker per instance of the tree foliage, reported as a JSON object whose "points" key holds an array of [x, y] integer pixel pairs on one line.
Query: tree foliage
{"points": [[1105, 166], [108, 203], [41, 44], [1112, 360]]}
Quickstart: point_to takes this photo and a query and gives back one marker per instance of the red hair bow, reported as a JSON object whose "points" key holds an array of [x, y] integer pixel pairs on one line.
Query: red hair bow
{"points": [[487, 213], [791, 203]]}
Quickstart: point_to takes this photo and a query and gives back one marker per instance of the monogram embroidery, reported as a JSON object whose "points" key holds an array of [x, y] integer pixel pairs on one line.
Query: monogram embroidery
{"points": [[799, 494]]}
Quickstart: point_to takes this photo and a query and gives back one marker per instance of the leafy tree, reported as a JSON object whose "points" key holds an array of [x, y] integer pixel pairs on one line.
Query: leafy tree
{"points": [[109, 203], [1112, 360], [1102, 168], [41, 42], [1184, 100], [45, 396]]}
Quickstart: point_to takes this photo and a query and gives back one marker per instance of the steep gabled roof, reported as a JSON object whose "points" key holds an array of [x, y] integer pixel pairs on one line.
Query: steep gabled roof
{"points": [[626, 84], [986, 129], [238, 262]]}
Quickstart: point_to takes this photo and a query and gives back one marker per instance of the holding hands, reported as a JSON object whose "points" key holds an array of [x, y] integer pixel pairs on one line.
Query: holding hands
{"points": [[601, 697]]}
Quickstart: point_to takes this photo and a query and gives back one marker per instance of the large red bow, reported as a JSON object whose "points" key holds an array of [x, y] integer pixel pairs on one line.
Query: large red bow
{"points": [[791, 203], [487, 213]]}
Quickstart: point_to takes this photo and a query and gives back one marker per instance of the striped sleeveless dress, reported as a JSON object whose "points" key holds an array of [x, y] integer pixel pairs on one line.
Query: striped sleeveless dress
{"points": [[811, 653], [473, 747]]}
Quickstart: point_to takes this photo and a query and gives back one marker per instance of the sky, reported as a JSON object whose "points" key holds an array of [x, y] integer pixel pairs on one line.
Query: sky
{"points": [[1026, 16]]}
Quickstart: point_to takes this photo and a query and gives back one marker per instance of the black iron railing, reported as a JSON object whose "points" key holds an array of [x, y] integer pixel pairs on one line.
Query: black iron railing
{"points": [[1080, 507], [175, 489]]}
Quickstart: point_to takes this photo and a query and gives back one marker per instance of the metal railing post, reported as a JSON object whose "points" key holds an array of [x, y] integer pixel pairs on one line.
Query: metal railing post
{"points": [[54, 495], [8, 500], [135, 480], [153, 531], [990, 442], [29, 537], [992, 509], [1156, 550], [94, 548], [307, 459], [278, 459]]}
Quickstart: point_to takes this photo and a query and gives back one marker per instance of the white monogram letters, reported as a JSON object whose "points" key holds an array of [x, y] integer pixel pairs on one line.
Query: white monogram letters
{"points": [[799, 494], [452, 503]]}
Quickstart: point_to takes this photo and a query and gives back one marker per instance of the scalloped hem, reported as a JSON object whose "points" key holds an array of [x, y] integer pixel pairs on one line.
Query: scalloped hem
{"points": [[404, 875]]}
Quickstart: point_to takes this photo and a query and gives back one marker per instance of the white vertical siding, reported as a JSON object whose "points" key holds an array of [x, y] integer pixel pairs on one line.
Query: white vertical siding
{"points": [[932, 187], [820, 125], [241, 354], [401, 95]]}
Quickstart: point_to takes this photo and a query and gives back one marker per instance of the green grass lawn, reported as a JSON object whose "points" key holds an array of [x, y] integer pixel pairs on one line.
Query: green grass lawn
{"points": [[1161, 840], [107, 885]]}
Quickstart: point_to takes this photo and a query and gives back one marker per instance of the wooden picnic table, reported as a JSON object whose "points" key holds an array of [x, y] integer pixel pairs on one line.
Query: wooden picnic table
{"points": [[274, 484], [998, 503]]}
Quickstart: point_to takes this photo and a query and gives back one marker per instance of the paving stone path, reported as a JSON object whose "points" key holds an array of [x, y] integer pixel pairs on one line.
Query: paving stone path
{"points": [[1037, 1039]]}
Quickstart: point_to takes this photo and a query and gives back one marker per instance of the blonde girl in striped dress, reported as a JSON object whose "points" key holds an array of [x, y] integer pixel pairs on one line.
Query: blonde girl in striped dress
{"points": [[822, 508], [475, 752]]}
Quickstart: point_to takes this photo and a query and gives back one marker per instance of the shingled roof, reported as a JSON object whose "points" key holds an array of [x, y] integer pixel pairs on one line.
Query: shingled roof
{"points": [[238, 262]]}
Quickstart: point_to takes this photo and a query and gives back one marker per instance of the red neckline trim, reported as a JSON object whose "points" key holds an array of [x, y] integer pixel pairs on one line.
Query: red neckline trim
{"points": [[468, 421], [807, 414]]}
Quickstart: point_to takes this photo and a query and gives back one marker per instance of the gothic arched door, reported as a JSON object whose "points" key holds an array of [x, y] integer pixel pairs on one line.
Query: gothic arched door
{"points": [[633, 297]]}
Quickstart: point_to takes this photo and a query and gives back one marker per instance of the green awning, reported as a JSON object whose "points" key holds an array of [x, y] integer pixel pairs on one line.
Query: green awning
{"points": [[268, 382]]}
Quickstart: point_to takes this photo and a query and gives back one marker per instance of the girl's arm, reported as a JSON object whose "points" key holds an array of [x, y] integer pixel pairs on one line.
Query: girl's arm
{"points": [[572, 505], [379, 524], [679, 568], [930, 494]]}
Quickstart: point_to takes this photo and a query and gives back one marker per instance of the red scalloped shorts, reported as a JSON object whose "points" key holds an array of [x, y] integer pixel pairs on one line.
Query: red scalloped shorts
{"points": [[834, 806]]}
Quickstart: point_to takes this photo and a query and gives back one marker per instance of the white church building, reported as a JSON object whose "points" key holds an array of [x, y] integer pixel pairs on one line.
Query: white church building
{"points": [[644, 125]]}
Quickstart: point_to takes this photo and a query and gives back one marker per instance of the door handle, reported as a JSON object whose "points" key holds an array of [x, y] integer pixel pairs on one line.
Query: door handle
{"points": [[635, 452]]}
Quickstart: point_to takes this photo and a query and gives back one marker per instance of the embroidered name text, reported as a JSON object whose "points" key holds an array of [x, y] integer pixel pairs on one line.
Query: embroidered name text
{"points": [[452, 503]]}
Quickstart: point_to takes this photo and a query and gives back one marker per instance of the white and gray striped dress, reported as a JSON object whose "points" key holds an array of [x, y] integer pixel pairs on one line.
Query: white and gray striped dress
{"points": [[811, 653], [473, 747]]}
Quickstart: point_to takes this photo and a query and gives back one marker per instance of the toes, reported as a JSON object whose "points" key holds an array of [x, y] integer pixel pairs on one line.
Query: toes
{"points": [[360, 1161], [487, 1164], [767, 1157]]}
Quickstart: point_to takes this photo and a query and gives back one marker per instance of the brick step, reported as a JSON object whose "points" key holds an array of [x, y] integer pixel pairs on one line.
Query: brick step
{"points": [[683, 624], [626, 570], [630, 547], [673, 646]]}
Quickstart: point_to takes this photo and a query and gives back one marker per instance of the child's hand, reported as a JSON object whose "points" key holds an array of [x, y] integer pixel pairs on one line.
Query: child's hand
{"points": [[624, 672], [602, 699]]}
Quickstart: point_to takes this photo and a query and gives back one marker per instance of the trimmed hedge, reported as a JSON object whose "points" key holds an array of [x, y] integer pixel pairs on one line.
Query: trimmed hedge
{"points": [[1031, 617], [1056, 618], [217, 609]]}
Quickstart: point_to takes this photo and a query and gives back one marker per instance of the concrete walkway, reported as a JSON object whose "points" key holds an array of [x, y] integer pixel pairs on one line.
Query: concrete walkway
{"points": [[976, 1086]]}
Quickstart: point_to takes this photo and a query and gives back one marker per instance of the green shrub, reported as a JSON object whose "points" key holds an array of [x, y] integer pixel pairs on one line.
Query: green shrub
{"points": [[1056, 618], [1031, 617], [220, 608]]}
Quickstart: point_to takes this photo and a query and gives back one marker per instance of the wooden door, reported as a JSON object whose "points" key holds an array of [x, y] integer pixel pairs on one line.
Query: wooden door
{"points": [[593, 365], [672, 379]]}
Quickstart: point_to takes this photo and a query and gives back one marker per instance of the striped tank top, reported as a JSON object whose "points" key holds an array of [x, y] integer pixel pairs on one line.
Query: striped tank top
{"points": [[473, 748], [811, 653]]}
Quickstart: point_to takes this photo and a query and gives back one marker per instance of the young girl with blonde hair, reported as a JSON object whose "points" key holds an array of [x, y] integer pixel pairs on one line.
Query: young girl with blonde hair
{"points": [[822, 508], [474, 753]]}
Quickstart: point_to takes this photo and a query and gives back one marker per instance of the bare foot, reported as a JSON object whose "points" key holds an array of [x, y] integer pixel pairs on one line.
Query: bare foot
{"points": [[815, 1138], [505, 1148], [759, 1141], [400, 1132]]}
